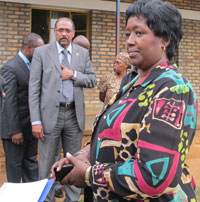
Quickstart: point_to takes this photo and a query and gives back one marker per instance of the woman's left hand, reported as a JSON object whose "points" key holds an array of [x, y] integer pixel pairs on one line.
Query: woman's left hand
{"points": [[77, 175]]}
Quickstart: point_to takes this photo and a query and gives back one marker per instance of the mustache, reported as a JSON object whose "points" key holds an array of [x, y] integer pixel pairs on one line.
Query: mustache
{"points": [[63, 38]]}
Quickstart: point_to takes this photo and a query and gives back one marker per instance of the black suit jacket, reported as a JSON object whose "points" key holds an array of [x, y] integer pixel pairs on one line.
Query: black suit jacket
{"points": [[2, 83], [16, 117]]}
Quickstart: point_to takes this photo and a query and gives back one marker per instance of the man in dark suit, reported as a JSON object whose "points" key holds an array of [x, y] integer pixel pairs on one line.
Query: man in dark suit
{"points": [[20, 146], [2, 96], [59, 72]]}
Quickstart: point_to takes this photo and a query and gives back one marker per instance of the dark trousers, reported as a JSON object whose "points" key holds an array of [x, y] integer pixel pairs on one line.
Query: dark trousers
{"points": [[21, 160]]}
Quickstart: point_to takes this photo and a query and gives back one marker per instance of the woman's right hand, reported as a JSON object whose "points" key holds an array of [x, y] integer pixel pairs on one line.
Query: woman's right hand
{"points": [[82, 155], [76, 176], [58, 165]]}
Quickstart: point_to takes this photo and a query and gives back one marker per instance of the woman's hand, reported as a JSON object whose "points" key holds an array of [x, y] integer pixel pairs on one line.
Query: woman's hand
{"points": [[77, 174], [57, 165], [83, 156]]}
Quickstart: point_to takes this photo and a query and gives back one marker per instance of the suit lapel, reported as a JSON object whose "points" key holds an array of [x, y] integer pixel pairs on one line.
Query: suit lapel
{"points": [[75, 55], [54, 58]]}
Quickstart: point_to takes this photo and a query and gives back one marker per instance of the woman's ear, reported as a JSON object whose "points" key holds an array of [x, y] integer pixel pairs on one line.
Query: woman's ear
{"points": [[165, 42]]}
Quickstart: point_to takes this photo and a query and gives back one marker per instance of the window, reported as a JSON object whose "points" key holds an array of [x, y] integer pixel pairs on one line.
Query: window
{"points": [[43, 22]]}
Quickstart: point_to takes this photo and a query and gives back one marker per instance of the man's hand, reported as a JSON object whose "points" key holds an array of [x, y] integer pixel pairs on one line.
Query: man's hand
{"points": [[18, 138], [66, 73], [38, 131]]}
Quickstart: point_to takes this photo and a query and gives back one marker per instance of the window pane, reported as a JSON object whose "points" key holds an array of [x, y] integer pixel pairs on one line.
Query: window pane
{"points": [[53, 38], [57, 14], [80, 21], [80, 33], [40, 23], [54, 16]]}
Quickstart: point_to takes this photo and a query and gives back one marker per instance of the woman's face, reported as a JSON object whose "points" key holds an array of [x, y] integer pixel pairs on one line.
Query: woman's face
{"points": [[143, 47], [119, 66]]}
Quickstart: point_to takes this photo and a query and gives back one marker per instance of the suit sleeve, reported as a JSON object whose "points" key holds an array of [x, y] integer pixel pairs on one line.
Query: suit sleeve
{"points": [[35, 87], [87, 77], [2, 81], [11, 105]]}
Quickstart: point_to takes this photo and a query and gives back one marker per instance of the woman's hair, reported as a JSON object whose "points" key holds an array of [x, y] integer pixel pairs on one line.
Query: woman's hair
{"points": [[162, 18]]}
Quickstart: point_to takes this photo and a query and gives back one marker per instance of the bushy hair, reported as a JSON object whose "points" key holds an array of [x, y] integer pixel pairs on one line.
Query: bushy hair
{"points": [[162, 18]]}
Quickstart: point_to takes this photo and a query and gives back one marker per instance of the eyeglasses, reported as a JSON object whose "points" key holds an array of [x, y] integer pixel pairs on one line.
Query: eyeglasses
{"points": [[61, 30], [117, 63]]}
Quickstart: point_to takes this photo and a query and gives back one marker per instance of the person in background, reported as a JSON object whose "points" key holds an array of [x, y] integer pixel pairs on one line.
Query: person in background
{"points": [[59, 72], [82, 41], [109, 84], [141, 140], [20, 146]]}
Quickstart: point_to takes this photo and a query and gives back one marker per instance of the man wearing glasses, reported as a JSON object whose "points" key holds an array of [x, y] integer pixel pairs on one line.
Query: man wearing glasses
{"points": [[59, 72]]}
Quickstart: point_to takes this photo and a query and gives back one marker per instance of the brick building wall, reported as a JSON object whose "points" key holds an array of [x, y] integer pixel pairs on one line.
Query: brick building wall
{"points": [[189, 54], [103, 48], [15, 20], [186, 4], [181, 4], [102, 38], [14, 24]]}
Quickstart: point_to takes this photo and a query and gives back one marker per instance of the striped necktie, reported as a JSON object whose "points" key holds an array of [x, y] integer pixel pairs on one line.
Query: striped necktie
{"points": [[67, 85]]}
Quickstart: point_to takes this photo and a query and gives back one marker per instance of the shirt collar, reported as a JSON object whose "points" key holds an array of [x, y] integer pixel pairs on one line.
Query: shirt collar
{"points": [[23, 57], [60, 48]]}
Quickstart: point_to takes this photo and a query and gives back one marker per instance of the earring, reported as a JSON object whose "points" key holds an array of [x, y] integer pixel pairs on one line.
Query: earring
{"points": [[164, 48]]}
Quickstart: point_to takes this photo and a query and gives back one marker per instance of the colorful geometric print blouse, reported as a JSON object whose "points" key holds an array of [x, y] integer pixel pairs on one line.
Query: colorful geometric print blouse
{"points": [[140, 142]]}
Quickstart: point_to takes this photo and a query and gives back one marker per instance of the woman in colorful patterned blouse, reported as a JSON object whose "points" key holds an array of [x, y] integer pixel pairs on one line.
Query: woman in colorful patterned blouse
{"points": [[109, 84], [140, 142]]}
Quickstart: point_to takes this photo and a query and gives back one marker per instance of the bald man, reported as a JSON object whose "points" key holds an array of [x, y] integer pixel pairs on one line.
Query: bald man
{"points": [[81, 40]]}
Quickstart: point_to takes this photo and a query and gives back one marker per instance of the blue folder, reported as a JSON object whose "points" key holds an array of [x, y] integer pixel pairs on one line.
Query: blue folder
{"points": [[46, 190]]}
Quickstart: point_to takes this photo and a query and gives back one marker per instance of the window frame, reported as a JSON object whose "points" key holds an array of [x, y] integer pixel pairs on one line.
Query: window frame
{"points": [[71, 13]]}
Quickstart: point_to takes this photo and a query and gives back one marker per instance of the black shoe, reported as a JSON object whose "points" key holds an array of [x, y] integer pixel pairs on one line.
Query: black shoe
{"points": [[59, 193]]}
